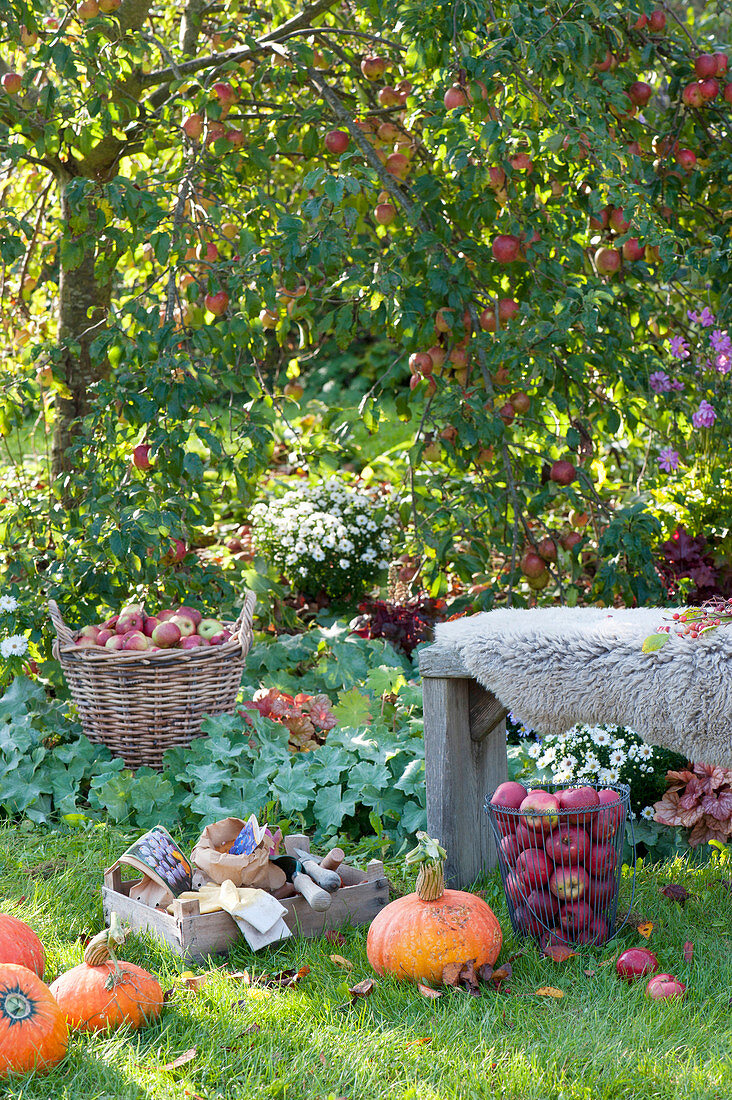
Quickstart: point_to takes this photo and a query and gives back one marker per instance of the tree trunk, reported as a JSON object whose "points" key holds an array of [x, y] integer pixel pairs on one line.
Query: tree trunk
{"points": [[83, 307]]}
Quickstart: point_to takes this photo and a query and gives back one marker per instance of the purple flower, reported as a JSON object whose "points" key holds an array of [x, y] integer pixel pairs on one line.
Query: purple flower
{"points": [[723, 362], [676, 384], [706, 317], [668, 459], [720, 341], [704, 416], [679, 347], [660, 382]]}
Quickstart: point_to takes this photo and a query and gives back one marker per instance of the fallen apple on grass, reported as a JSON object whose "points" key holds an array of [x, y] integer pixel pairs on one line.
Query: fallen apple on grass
{"points": [[635, 963], [664, 987]]}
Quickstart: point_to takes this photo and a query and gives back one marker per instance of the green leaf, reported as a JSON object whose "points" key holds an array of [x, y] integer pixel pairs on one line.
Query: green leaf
{"points": [[655, 641], [352, 709]]}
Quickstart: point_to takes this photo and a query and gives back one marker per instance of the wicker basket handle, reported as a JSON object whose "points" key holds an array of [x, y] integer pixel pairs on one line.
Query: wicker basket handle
{"points": [[243, 624], [63, 633]]}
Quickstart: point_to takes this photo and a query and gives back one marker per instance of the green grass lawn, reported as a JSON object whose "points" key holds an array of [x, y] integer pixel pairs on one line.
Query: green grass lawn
{"points": [[601, 1041]]}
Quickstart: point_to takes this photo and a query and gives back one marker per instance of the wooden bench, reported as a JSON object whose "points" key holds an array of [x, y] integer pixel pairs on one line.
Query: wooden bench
{"points": [[465, 759]]}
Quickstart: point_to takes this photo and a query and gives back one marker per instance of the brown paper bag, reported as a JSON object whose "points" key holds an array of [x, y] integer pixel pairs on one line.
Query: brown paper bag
{"points": [[211, 854]]}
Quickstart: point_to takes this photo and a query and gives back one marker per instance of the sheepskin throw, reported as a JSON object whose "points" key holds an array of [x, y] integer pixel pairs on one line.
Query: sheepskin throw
{"points": [[555, 666]]}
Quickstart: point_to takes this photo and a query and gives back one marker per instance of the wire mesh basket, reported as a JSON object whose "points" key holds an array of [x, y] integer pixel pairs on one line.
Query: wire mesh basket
{"points": [[560, 863], [139, 704]]}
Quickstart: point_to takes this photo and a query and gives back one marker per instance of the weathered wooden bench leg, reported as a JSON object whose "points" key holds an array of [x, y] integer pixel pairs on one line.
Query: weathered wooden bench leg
{"points": [[465, 758]]}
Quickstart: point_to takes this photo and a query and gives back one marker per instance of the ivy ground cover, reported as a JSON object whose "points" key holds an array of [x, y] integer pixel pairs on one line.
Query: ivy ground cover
{"points": [[600, 1039]]}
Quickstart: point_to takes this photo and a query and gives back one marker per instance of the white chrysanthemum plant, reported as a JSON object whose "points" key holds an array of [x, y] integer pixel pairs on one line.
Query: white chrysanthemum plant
{"points": [[325, 537], [599, 754], [14, 649]]}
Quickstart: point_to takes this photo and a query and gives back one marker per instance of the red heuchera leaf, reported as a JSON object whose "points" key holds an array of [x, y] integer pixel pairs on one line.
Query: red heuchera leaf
{"points": [[320, 713], [675, 892]]}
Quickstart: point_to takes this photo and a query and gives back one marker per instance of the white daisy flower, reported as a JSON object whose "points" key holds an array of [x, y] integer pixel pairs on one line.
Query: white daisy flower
{"points": [[645, 752], [617, 758], [602, 737], [14, 646], [534, 750], [8, 603], [648, 813], [344, 563], [613, 775]]}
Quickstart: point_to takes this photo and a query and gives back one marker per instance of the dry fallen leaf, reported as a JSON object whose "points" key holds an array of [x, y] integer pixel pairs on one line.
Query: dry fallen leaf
{"points": [[645, 929], [451, 974], [469, 979], [336, 938], [549, 991], [182, 1059], [674, 892], [363, 989], [421, 1042], [192, 981], [559, 953], [240, 976], [284, 980], [340, 961], [505, 971], [485, 972], [688, 951], [428, 992]]}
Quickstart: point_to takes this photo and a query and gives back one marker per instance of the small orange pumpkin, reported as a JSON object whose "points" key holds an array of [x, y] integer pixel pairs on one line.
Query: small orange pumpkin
{"points": [[418, 935], [33, 1031], [104, 993], [20, 945]]}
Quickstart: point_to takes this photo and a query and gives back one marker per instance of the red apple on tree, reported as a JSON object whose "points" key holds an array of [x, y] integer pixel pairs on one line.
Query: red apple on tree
{"points": [[705, 65], [633, 250], [385, 213], [456, 96], [12, 83], [692, 95], [506, 248], [532, 565], [709, 89], [337, 141], [373, 68], [640, 93], [657, 21], [141, 457], [563, 472], [607, 261], [217, 303]]}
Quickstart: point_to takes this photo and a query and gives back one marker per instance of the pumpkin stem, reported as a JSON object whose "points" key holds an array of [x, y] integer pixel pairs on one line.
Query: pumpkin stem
{"points": [[431, 881], [430, 855], [100, 948]]}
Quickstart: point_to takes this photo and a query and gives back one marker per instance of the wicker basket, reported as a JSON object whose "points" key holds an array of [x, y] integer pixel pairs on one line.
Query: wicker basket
{"points": [[141, 704]]}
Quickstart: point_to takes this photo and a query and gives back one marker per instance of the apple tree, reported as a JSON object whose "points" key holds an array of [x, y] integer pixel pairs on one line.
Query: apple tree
{"points": [[531, 205]]}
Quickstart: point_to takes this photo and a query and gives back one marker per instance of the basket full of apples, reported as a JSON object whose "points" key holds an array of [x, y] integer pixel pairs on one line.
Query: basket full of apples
{"points": [[142, 683], [560, 854]]}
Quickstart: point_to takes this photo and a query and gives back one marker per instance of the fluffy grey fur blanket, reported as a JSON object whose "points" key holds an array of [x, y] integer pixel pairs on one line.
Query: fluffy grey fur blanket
{"points": [[555, 666]]}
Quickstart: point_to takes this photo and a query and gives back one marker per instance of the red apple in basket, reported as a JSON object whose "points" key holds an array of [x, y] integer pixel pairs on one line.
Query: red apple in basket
{"points": [[508, 796], [569, 883], [115, 642], [537, 809], [510, 849], [605, 822], [184, 624], [525, 837], [110, 624], [192, 641], [575, 798], [603, 860], [135, 640], [193, 615], [533, 868], [89, 631], [85, 643], [527, 921], [166, 635], [208, 628], [568, 846], [167, 614], [104, 635], [600, 892], [543, 905], [574, 916], [151, 621], [130, 618], [514, 888], [220, 638], [594, 932]]}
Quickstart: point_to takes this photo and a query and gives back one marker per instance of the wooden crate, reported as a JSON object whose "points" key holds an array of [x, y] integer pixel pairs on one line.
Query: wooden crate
{"points": [[197, 935]]}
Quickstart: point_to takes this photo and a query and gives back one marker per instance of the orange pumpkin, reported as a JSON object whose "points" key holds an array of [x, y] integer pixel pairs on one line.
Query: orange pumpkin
{"points": [[20, 945], [33, 1031], [103, 992], [418, 935]]}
